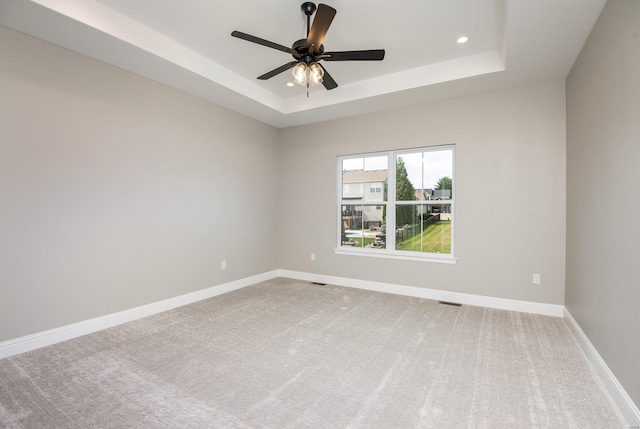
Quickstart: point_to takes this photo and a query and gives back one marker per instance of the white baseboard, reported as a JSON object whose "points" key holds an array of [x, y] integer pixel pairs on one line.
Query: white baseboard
{"points": [[438, 295], [617, 392], [56, 335]]}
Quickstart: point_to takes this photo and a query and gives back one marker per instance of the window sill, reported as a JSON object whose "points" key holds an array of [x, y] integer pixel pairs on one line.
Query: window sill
{"points": [[377, 254]]}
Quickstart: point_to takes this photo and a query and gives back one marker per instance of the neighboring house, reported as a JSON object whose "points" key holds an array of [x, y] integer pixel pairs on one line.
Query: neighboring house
{"points": [[434, 195], [362, 189], [439, 195], [442, 194], [423, 194]]}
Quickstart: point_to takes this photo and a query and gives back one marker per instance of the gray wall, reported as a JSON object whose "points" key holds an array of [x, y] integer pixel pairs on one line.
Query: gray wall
{"points": [[510, 192], [116, 191], [603, 207]]}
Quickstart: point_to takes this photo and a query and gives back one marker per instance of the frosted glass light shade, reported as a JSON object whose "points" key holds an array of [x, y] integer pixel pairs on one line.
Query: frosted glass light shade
{"points": [[316, 73], [299, 74], [311, 74]]}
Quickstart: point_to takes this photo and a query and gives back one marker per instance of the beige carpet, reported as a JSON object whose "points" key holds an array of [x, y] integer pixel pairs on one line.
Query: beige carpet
{"points": [[289, 354]]}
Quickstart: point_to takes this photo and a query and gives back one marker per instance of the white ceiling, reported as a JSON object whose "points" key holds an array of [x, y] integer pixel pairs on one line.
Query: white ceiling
{"points": [[186, 44]]}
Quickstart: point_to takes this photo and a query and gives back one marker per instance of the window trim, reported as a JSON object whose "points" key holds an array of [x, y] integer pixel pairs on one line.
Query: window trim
{"points": [[400, 255], [390, 203]]}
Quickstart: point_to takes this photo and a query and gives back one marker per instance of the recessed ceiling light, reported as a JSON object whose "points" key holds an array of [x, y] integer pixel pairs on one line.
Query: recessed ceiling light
{"points": [[463, 39], [289, 84]]}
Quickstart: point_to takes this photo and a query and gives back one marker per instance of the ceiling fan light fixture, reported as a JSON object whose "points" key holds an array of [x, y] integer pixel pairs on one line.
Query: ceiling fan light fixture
{"points": [[299, 74], [304, 74]]}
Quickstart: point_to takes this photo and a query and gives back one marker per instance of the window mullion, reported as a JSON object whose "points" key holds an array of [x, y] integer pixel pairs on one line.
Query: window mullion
{"points": [[391, 206]]}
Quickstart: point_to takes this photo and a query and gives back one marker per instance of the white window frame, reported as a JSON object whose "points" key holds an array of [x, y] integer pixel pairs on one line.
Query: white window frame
{"points": [[390, 252]]}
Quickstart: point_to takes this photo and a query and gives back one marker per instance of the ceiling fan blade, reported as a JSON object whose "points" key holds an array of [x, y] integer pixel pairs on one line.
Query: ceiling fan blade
{"points": [[370, 55], [327, 80], [277, 71], [321, 22], [263, 42]]}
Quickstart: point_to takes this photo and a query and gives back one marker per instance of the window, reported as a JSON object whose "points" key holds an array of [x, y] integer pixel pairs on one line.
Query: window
{"points": [[407, 211]]}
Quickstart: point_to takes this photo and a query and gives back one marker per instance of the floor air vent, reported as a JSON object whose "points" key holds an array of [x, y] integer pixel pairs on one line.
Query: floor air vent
{"points": [[319, 284], [450, 303]]}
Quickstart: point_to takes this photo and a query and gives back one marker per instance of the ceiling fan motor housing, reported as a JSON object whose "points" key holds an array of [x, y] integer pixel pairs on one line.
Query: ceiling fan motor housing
{"points": [[300, 47]]}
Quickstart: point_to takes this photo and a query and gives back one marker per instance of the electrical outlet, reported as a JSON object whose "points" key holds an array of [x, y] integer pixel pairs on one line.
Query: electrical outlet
{"points": [[536, 279], [313, 256], [223, 265]]}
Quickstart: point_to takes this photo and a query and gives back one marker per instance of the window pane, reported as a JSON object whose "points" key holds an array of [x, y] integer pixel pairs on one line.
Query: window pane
{"points": [[423, 228], [408, 176], [362, 226], [352, 164], [351, 229], [365, 179], [436, 234], [438, 171], [408, 227], [372, 233], [375, 178], [376, 163], [353, 179]]}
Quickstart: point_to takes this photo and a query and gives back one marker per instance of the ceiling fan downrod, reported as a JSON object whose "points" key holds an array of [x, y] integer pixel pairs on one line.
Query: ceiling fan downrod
{"points": [[308, 8]]}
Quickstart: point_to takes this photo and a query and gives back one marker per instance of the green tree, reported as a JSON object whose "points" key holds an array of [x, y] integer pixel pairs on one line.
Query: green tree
{"points": [[404, 192]]}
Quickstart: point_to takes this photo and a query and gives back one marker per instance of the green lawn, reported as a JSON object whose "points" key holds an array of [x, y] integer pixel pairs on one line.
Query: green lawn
{"points": [[436, 238]]}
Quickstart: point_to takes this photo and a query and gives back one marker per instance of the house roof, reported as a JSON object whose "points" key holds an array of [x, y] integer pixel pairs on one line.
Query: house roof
{"points": [[362, 176], [444, 194]]}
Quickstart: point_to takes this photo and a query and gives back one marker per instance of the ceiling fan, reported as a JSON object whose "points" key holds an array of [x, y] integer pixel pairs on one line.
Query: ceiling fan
{"points": [[308, 53]]}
